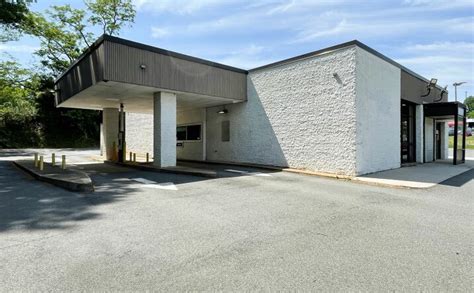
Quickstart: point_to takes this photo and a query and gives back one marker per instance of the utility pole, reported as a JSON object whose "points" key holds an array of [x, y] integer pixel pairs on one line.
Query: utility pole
{"points": [[456, 84]]}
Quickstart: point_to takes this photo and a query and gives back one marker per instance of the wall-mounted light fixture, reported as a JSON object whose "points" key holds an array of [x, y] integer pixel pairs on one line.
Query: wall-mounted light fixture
{"points": [[223, 111], [445, 90], [430, 85], [142, 66]]}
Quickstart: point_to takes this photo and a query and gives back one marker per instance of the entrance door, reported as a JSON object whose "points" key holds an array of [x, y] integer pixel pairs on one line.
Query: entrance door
{"points": [[438, 141], [407, 135]]}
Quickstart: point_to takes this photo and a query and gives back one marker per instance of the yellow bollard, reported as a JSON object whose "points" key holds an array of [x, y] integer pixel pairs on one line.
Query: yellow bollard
{"points": [[63, 162], [41, 163], [147, 157], [53, 159], [130, 156], [134, 157], [36, 160]]}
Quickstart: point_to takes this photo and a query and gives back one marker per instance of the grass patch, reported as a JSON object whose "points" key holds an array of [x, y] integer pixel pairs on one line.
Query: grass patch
{"points": [[469, 142]]}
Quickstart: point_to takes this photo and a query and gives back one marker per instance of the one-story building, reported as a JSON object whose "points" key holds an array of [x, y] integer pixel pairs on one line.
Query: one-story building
{"points": [[346, 109]]}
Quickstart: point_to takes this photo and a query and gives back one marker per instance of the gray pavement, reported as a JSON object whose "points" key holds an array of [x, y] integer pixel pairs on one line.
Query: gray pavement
{"points": [[249, 230]]}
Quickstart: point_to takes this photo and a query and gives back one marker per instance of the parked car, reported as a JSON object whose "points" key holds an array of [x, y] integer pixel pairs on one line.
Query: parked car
{"points": [[468, 131], [451, 131]]}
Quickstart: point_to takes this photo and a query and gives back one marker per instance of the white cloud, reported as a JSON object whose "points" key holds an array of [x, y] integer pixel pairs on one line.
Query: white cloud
{"points": [[18, 48], [157, 32], [439, 4], [246, 57], [176, 6], [444, 46]]}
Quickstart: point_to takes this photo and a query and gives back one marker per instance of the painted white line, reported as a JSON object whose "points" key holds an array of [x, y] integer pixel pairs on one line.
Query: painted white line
{"points": [[236, 171], [152, 184], [260, 174], [165, 186], [248, 173], [143, 180]]}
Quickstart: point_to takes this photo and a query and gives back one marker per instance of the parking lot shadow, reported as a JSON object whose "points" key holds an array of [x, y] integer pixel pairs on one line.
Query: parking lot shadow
{"points": [[29, 204]]}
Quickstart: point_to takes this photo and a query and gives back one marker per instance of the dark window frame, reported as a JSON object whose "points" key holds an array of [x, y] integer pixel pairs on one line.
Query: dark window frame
{"points": [[186, 132]]}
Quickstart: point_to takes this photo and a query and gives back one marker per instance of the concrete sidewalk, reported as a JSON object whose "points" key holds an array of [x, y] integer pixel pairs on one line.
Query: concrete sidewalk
{"points": [[70, 179], [418, 176]]}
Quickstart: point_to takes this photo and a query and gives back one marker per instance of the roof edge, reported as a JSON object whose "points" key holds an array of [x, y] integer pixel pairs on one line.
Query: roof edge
{"points": [[342, 46], [137, 45], [171, 53]]}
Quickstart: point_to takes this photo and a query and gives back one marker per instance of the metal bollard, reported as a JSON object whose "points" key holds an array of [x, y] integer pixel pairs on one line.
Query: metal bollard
{"points": [[147, 157], [134, 157], [124, 151], [53, 159], [41, 163], [130, 156], [36, 160], [114, 155], [63, 162]]}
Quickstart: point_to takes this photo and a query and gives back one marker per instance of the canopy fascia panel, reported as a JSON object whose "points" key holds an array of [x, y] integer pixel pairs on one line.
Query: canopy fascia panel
{"points": [[119, 61]]}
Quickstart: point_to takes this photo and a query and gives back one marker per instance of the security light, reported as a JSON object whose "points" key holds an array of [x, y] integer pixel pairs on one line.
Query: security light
{"points": [[223, 111], [143, 66], [429, 86]]}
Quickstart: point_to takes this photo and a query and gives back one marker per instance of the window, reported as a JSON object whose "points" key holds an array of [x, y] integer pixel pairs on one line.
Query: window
{"points": [[188, 132], [225, 131], [181, 133]]}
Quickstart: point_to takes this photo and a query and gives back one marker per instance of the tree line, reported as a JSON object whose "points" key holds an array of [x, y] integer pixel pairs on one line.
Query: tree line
{"points": [[28, 117]]}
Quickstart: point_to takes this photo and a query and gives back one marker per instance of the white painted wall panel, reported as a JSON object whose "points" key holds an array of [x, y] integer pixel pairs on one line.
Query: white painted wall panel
{"points": [[164, 129], [419, 135], [378, 113], [429, 139], [444, 141], [297, 115], [139, 133], [110, 121]]}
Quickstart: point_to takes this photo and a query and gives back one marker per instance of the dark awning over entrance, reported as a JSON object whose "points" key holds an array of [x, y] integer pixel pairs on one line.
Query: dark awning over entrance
{"points": [[451, 111]]}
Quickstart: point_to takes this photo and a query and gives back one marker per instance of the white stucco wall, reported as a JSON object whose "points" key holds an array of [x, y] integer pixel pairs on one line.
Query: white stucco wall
{"points": [[297, 115], [429, 139], [192, 150], [139, 133], [378, 113]]}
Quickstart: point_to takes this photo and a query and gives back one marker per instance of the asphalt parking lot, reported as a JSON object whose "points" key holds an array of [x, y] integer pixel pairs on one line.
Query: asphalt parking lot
{"points": [[248, 229]]}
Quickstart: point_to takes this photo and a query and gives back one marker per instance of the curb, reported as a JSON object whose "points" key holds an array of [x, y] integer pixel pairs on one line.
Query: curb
{"points": [[68, 185], [151, 169]]}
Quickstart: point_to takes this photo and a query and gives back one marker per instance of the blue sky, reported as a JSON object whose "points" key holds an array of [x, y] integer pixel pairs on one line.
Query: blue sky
{"points": [[433, 38]]}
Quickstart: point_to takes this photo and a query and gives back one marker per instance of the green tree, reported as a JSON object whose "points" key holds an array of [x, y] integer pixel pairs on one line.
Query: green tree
{"points": [[18, 88], [111, 15], [65, 32], [12, 14], [469, 102], [28, 116]]}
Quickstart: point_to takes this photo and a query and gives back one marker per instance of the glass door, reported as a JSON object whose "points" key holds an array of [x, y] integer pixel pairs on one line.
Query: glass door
{"points": [[407, 135]]}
